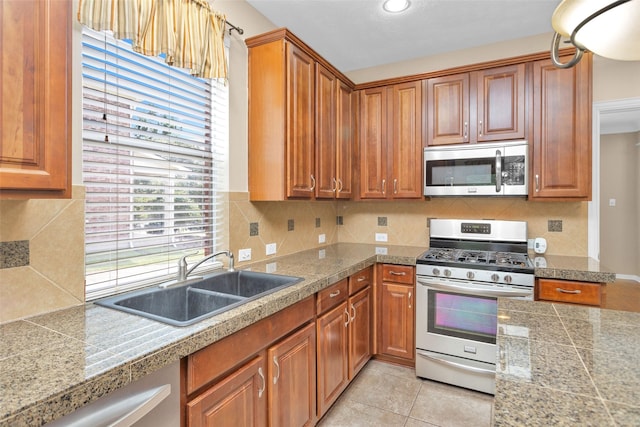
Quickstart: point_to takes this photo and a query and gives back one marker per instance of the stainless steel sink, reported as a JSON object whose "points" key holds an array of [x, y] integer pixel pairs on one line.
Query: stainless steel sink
{"points": [[188, 303]]}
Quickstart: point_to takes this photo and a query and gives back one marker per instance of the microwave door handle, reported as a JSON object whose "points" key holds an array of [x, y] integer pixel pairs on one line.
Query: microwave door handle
{"points": [[498, 171]]}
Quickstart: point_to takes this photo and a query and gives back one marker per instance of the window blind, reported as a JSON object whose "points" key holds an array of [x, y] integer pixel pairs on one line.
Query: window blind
{"points": [[154, 143]]}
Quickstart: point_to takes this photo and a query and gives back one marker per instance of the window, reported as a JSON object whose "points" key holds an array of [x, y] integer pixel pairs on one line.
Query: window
{"points": [[154, 144]]}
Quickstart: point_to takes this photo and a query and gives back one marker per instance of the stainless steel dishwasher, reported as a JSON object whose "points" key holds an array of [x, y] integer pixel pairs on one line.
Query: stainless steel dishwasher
{"points": [[153, 401]]}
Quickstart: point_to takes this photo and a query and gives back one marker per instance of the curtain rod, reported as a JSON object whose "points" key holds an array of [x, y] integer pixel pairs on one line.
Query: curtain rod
{"points": [[233, 27]]}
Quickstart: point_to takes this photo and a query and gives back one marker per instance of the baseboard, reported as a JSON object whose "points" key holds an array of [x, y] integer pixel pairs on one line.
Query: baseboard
{"points": [[628, 277]]}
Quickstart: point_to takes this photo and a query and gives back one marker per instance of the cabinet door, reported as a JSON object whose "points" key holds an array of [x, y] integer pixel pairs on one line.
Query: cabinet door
{"points": [[300, 123], [326, 183], [238, 400], [359, 331], [35, 109], [561, 131], [345, 126], [332, 366], [396, 326], [373, 143], [500, 103], [292, 374], [448, 110], [406, 139]]}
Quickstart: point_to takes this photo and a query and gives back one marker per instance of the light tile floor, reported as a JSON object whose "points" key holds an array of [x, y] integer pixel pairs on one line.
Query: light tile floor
{"points": [[388, 395]]}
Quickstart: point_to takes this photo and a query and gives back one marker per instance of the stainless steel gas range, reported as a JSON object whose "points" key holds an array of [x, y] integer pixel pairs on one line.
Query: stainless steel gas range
{"points": [[469, 265]]}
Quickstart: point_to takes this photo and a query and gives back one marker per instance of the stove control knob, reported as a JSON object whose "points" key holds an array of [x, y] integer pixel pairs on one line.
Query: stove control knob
{"points": [[436, 272], [470, 275], [447, 272], [495, 277], [508, 279]]}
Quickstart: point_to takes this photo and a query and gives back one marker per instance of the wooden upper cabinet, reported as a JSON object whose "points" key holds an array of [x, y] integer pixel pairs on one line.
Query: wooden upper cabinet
{"points": [[406, 141], [334, 136], [301, 123], [35, 110], [561, 160], [500, 103], [391, 142], [345, 131], [447, 110], [373, 143], [481, 106], [301, 181]]}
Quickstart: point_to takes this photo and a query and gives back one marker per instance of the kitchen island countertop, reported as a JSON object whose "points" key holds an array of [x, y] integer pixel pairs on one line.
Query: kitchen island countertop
{"points": [[54, 363], [566, 365]]}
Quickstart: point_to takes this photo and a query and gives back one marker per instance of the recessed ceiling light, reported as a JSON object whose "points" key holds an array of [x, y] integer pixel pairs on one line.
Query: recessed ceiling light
{"points": [[395, 6]]}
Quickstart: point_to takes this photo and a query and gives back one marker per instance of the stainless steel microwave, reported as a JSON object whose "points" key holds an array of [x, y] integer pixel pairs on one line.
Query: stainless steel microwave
{"points": [[494, 169]]}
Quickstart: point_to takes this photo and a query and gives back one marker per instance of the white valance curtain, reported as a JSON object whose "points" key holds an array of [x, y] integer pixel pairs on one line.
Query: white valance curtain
{"points": [[188, 32]]}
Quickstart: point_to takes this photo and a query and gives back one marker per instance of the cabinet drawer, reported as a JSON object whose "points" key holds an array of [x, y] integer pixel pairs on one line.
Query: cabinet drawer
{"points": [[360, 280], [569, 291], [398, 273], [332, 296]]}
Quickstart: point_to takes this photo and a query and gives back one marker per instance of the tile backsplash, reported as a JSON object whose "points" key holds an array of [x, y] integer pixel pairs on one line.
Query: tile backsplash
{"points": [[42, 241], [42, 255]]}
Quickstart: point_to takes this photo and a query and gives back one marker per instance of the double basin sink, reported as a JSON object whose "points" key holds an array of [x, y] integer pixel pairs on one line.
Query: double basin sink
{"points": [[196, 300]]}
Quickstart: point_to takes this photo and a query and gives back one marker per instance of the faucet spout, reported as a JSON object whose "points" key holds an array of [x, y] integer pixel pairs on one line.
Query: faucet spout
{"points": [[184, 272]]}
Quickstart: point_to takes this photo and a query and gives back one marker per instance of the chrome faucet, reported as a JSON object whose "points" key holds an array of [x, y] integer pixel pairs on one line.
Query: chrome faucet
{"points": [[184, 271]]}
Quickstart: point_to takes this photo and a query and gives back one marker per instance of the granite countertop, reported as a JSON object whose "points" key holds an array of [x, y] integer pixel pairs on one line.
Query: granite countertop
{"points": [[583, 269], [52, 364], [566, 365]]}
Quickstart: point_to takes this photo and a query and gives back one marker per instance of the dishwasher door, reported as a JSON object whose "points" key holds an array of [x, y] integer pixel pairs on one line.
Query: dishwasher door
{"points": [[153, 401]]}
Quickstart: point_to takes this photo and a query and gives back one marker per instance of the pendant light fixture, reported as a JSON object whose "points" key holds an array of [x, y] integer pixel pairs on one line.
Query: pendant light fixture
{"points": [[607, 28]]}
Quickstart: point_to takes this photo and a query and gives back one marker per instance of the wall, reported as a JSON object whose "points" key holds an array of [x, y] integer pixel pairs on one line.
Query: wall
{"points": [[20, 297], [620, 180]]}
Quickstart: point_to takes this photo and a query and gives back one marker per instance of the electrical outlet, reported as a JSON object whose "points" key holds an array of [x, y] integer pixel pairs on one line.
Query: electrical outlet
{"points": [[244, 255], [322, 254], [322, 238], [272, 267], [381, 250], [381, 237], [271, 249]]}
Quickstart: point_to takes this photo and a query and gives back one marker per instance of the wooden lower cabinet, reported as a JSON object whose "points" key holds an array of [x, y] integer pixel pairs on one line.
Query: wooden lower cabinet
{"points": [[395, 313], [238, 400], [292, 380], [570, 291], [343, 336]]}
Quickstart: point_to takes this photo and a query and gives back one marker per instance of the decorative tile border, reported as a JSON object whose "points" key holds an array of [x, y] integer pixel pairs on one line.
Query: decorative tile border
{"points": [[14, 254]]}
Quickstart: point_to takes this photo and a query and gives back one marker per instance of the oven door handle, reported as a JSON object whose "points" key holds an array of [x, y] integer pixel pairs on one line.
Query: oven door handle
{"points": [[486, 372], [480, 292]]}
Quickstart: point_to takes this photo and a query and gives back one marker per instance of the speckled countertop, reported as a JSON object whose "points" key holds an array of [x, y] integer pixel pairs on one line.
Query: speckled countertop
{"points": [[566, 365], [52, 364], [583, 269]]}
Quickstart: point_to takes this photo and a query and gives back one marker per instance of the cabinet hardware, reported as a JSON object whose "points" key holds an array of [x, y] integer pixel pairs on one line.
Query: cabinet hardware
{"points": [[465, 134], [334, 294], [313, 183], [537, 183], [353, 313], [384, 187], [277, 376], [480, 127], [341, 185], [334, 185], [395, 186], [396, 273], [565, 291], [264, 383], [346, 313], [362, 278], [409, 299]]}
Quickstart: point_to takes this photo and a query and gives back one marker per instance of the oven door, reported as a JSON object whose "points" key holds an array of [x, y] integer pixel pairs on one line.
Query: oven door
{"points": [[477, 169], [459, 318]]}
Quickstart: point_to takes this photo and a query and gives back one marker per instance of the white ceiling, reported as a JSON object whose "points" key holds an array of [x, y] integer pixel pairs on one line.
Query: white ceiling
{"points": [[356, 34]]}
